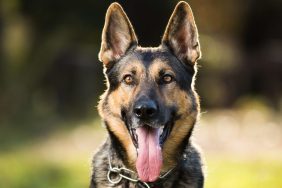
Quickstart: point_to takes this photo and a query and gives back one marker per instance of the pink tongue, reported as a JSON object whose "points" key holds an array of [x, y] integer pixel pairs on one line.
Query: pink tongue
{"points": [[149, 160]]}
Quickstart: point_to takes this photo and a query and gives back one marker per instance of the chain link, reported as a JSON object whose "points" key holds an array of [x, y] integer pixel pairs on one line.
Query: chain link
{"points": [[120, 174]]}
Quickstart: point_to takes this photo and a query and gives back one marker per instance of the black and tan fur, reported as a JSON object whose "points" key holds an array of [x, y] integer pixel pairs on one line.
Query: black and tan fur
{"points": [[177, 101]]}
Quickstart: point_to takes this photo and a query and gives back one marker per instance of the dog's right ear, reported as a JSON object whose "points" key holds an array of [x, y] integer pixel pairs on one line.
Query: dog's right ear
{"points": [[118, 35]]}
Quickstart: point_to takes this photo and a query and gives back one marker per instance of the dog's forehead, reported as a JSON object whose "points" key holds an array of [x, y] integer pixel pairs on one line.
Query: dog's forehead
{"points": [[148, 58]]}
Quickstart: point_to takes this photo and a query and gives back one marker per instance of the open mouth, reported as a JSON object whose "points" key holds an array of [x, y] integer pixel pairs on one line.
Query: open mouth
{"points": [[163, 133], [148, 142]]}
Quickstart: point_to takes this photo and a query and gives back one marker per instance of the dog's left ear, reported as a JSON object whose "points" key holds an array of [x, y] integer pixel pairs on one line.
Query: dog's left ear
{"points": [[181, 34], [118, 35]]}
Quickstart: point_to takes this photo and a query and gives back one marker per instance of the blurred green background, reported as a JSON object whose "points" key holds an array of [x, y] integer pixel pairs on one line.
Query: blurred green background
{"points": [[51, 79]]}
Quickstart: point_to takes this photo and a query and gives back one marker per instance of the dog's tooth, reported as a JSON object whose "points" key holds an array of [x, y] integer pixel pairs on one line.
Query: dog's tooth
{"points": [[161, 130]]}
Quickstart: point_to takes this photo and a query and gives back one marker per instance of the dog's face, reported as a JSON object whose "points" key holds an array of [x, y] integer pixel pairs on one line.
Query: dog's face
{"points": [[150, 106]]}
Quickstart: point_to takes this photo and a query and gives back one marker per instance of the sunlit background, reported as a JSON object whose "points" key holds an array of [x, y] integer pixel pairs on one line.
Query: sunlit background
{"points": [[51, 79]]}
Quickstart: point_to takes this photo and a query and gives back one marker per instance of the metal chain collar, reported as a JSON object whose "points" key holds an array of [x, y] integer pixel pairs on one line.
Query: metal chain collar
{"points": [[121, 172]]}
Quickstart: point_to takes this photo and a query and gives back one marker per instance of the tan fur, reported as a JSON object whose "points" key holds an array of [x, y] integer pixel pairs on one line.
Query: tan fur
{"points": [[176, 137], [158, 65], [181, 127], [119, 129], [117, 126]]}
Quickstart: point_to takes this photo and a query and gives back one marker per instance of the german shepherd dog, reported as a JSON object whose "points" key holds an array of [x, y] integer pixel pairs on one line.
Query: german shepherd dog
{"points": [[150, 107]]}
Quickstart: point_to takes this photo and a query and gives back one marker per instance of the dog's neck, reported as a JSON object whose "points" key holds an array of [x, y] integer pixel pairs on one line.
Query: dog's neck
{"points": [[117, 165], [117, 172]]}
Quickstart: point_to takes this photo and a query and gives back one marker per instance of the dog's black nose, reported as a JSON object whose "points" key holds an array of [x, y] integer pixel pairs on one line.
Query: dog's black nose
{"points": [[145, 110]]}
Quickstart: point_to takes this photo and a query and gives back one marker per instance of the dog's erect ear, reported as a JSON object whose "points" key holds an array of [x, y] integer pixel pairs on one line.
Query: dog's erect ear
{"points": [[181, 34], [118, 35]]}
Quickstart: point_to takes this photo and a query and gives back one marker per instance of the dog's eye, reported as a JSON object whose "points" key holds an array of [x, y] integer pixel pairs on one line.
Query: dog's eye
{"points": [[127, 79], [167, 78]]}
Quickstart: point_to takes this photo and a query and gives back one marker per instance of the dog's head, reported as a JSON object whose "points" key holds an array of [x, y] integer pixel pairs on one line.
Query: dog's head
{"points": [[150, 105]]}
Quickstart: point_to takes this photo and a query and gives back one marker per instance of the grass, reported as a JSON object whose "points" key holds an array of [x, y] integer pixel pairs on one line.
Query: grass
{"points": [[18, 171], [26, 170], [60, 160], [234, 173]]}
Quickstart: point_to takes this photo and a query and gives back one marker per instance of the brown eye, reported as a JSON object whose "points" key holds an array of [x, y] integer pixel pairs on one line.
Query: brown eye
{"points": [[128, 79], [167, 78]]}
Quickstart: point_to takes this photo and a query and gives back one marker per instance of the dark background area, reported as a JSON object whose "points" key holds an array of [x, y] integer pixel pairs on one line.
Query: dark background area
{"points": [[49, 71]]}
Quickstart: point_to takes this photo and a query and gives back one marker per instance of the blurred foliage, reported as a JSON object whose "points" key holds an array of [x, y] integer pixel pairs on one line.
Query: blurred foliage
{"points": [[49, 68]]}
